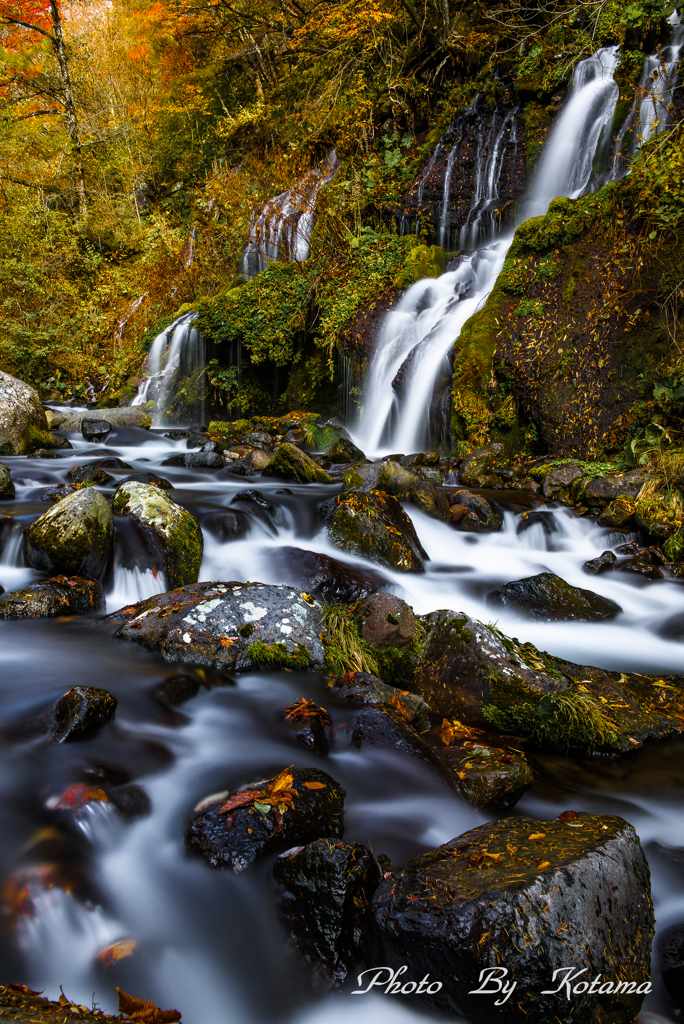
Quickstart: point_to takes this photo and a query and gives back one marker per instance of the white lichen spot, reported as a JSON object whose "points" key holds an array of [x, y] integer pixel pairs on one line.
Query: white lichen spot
{"points": [[187, 639], [285, 629], [190, 621], [252, 612]]}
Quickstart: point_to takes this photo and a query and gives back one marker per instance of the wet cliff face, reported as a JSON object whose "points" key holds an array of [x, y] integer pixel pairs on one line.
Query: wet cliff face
{"points": [[473, 178]]}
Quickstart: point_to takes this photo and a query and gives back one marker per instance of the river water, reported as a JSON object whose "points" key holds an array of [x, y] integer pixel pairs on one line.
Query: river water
{"points": [[208, 942]]}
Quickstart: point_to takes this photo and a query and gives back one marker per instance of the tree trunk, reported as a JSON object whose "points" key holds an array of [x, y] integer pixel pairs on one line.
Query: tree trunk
{"points": [[70, 109]]}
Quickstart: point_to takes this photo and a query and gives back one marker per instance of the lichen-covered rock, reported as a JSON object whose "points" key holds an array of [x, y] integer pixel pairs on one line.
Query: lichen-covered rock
{"points": [[479, 516], [381, 728], [6, 485], [476, 469], [489, 776], [324, 891], [259, 460], [603, 490], [473, 673], [291, 463], [23, 425], [556, 483], [172, 531], [74, 537], [602, 563], [124, 416], [327, 578], [89, 474], [515, 901], [375, 526], [230, 626], [61, 595], [81, 712], [405, 484], [618, 513], [386, 621], [295, 807], [548, 598], [363, 688], [147, 478], [344, 451]]}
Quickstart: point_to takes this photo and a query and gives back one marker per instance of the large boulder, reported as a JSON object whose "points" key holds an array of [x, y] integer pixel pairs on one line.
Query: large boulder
{"points": [[325, 577], [386, 621], [383, 729], [291, 463], [603, 490], [363, 688], [231, 626], [172, 532], [548, 598], [23, 425], [529, 905], [74, 537], [412, 485], [324, 891], [6, 485], [375, 526], [61, 595], [474, 514], [125, 416], [295, 807]]}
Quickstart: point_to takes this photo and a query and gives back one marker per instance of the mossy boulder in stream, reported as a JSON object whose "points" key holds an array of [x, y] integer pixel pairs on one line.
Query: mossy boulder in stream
{"points": [[74, 537], [61, 595], [291, 463], [404, 483], [363, 688], [231, 626], [528, 903], [6, 485], [172, 531], [23, 424], [375, 526], [548, 598]]}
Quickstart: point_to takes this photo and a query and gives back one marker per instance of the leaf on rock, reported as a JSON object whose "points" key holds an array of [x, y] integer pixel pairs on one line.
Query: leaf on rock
{"points": [[144, 1011], [314, 785], [76, 797], [304, 708]]}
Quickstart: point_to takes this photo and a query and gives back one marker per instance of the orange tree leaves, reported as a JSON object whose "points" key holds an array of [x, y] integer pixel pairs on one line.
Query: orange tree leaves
{"points": [[144, 1011]]}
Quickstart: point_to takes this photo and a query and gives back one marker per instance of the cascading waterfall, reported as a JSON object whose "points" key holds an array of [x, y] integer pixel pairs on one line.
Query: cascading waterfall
{"points": [[480, 222], [416, 337], [176, 359]]}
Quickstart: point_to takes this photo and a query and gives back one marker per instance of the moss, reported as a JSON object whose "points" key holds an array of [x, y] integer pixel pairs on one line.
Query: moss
{"points": [[35, 438], [278, 656], [173, 528], [422, 261], [345, 648], [291, 463]]}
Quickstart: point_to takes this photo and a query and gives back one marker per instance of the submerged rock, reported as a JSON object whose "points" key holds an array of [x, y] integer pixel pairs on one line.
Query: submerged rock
{"points": [[479, 516], [324, 891], [386, 621], [172, 531], [375, 526], [327, 578], [548, 598], [602, 563], [489, 776], [363, 688], [74, 537], [383, 729], [226, 524], [61, 595], [231, 626], [295, 807], [23, 425], [521, 899], [81, 712], [89, 474], [95, 429], [6, 485], [291, 463]]}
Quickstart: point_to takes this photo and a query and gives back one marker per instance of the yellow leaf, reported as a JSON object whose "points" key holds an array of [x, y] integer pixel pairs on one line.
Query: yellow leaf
{"points": [[537, 835], [314, 785]]}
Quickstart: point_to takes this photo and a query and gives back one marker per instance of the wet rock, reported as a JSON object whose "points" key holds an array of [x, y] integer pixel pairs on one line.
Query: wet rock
{"points": [[172, 531], [476, 468], [23, 425], [147, 478], [556, 483], [603, 490], [6, 485], [259, 460], [479, 516], [230, 626], [429, 500], [296, 807], [205, 458], [405, 484], [489, 776], [344, 451], [526, 898], [131, 801], [270, 512], [124, 416], [95, 429], [226, 524], [61, 595], [670, 947], [672, 628], [363, 688], [291, 463], [175, 689], [383, 729], [260, 439], [548, 598], [545, 519], [111, 462], [176, 435], [618, 513], [386, 621], [602, 563], [375, 526], [81, 712], [56, 492], [327, 578], [89, 474], [307, 723], [45, 453], [420, 459], [59, 442], [639, 567], [324, 890], [74, 537], [197, 439]]}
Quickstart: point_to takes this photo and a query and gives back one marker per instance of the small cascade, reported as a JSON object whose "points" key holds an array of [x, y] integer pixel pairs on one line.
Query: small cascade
{"points": [[480, 225], [175, 373], [345, 376], [282, 230]]}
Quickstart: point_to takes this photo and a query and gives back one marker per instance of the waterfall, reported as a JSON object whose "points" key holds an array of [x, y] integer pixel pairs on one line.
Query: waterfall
{"points": [[488, 176], [175, 371], [282, 230], [417, 336]]}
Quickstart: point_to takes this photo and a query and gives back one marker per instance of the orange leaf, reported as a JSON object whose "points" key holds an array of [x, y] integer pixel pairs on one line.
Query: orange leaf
{"points": [[537, 835], [543, 865], [144, 1011], [315, 785], [117, 951]]}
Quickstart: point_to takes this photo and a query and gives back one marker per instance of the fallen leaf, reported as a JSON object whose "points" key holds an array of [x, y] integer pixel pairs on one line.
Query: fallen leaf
{"points": [[568, 816], [543, 865], [215, 798], [314, 785], [537, 835], [117, 951], [144, 1011], [76, 797]]}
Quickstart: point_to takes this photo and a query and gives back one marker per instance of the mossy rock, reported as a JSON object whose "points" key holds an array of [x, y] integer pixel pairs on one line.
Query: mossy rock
{"points": [[490, 776], [6, 485], [74, 537], [375, 526], [60, 595], [291, 463], [23, 424], [405, 484], [173, 532], [422, 261], [548, 598]]}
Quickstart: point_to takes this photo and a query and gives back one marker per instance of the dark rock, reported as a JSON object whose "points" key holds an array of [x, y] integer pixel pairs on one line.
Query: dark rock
{"points": [[479, 515], [429, 499], [672, 628], [324, 890], [296, 807], [363, 688], [344, 451], [176, 435], [476, 469], [57, 441], [61, 595], [89, 474], [175, 689], [618, 513], [203, 460], [545, 519], [603, 490], [269, 512], [226, 524], [380, 728], [556, 483], [131, 801], [56, 492], [81, 712], [95, 430], [230, 626], [196, 439], [111, 462], [6, 485], [375, 526], [386, 621], [327, 578], [547, 598], [670, 947], [307, 723], [430, 458], [291, 463], [259, 439], [173, 533], [631, 548], [147, 478], [414, 485], [523, 898], [45, 453], [489, 776], [603, 563], [74, 537], [640, 567]]}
